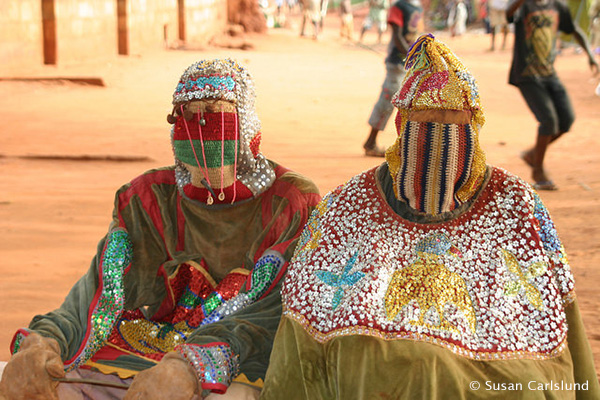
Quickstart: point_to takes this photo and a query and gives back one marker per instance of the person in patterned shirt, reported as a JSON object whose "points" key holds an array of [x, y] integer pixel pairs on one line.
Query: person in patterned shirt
{"points": [[537, 24], [404, 18]]}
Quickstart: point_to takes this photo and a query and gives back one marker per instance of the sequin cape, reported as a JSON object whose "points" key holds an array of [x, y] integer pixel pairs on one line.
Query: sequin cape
{"points": [[167, 232], [376, 306]]}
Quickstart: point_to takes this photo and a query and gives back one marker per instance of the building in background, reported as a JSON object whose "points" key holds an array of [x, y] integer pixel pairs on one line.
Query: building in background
{"points": [[65, 32]]}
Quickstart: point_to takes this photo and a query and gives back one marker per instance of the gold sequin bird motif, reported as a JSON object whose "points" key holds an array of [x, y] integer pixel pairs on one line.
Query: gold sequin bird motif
{"points": [[431, 284]]}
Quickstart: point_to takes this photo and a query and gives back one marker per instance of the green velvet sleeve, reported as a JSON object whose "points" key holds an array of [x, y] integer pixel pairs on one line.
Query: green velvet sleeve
{"points": [[68, 324], [251, 330], [581, 353]]}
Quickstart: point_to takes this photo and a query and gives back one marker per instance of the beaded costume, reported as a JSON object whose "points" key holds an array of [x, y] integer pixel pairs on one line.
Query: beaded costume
{"points": [[432, 271], [191, 269]]}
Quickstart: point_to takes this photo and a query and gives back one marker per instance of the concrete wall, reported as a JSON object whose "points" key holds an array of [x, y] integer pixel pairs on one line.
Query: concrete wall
{"points": [[20, 33], [204, 18], [87, 30], [148, 20]]}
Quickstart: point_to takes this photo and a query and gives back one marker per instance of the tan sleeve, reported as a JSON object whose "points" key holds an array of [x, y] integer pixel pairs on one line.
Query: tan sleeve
{"points": [[581, 353]]}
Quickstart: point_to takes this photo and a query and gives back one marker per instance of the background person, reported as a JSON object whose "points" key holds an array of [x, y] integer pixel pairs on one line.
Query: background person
{"points": [[537, 23], [498, 22], [377, 17], [404, 18]]}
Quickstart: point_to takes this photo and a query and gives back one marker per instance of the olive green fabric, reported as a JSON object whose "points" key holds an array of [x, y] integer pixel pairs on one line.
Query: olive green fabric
{"points": [[365, 367], [224, 237]]}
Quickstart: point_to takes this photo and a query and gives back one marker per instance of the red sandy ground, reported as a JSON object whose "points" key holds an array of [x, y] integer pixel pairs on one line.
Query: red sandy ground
{"points": [[314, 98]]}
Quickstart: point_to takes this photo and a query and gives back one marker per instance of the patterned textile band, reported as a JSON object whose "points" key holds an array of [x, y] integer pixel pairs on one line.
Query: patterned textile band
{"points": [[262, 277], [190, 87], [215, 364], [109, 299], [116, 258], [435, 164]]}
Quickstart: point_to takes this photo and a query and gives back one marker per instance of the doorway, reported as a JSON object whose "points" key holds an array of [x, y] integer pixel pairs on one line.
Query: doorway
{"points": [[122, 30], [49, 32], [181, 19]]}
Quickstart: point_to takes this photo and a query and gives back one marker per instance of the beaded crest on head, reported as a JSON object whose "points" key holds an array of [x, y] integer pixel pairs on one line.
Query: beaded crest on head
{"points": [[227, 80], [436, 162]]}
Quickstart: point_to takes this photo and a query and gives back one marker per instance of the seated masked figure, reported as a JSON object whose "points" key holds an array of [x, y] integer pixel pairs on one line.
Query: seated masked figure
{"points": [[434, 275], [184, 291]]}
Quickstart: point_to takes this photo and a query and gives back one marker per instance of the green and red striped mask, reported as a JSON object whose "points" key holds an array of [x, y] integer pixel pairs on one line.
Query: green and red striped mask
{"points": [[208, 140]]}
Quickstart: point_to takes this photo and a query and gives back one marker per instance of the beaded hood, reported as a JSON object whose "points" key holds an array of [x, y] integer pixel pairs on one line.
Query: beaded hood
{"points": [[226, 80], [436, 162]]}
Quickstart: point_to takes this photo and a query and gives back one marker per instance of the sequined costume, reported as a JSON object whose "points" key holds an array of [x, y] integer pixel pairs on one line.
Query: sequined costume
{"points": [[396, 291], [193, 269]]}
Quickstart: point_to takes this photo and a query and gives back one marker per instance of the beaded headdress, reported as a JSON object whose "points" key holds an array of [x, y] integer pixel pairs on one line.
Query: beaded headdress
{"points": [[228, 80], [436, 162]]}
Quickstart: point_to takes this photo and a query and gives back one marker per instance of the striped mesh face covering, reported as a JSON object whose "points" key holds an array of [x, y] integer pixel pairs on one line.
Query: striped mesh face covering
{"points": [[214, 143], [208, 143], [436, 161]]}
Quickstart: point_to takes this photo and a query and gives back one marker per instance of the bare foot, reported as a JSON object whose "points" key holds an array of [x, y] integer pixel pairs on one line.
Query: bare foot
{"points": [[527, 156], [542, 182], [539, 175], [374, 151]]}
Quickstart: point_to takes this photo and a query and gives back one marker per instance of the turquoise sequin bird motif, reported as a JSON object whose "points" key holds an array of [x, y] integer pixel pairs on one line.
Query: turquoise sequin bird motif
{"points": [[341, 280]]}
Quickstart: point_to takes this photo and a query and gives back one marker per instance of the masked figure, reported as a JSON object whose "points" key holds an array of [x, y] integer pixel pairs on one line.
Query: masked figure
{"points": [[431, 271], [183, 293]]}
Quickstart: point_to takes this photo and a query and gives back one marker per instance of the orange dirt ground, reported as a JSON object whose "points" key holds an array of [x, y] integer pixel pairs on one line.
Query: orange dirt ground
{"points": [[314, 98]]}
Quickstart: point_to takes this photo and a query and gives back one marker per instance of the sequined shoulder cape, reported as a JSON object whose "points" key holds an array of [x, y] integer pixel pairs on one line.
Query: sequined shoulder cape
{"points": [[171, 271], [379, 307]]}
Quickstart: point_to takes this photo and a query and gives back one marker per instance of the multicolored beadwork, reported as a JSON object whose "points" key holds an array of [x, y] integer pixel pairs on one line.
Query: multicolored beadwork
{"points": [[116, 257], [200, 301], [450, 283], [431, 284], [522, 279], [339, 281], [214, 363], [18, 339], [311, 235], [263, 274], [444, 156], [207, 85], [196, 295], [228, 80]]}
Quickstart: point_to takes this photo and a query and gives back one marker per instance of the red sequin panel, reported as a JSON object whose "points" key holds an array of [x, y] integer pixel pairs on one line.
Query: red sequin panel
{"points": [[190, 286]]}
